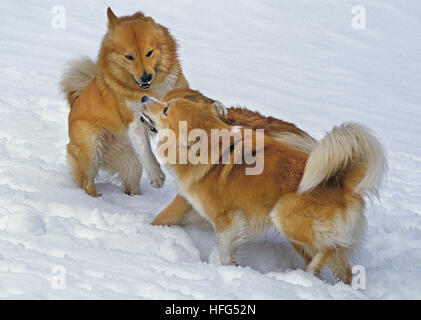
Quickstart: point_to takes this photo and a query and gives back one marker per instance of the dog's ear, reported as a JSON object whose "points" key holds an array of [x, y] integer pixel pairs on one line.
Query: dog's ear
{"points": [[112, 18], [139, 15]]}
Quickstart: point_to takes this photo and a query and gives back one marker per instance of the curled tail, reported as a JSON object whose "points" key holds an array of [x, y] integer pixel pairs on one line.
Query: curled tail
{"points": [[77, 76], [350, 152]]}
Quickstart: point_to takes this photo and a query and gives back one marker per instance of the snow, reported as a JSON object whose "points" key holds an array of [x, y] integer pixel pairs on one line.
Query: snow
{"points": [[295, 60]]}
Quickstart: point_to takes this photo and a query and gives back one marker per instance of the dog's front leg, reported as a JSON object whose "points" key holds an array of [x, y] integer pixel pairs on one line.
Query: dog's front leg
{"points": [[173, 213], [230, 234], [139, 138]]}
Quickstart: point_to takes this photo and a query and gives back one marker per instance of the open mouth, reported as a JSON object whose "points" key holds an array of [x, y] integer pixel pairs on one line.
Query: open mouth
{"points": [[148, 122], [143, 85]]}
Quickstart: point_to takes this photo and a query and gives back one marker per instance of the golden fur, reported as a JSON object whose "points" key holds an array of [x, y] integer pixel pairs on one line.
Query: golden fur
{"points": [[178, 212], [103, 98], [324, 221]]}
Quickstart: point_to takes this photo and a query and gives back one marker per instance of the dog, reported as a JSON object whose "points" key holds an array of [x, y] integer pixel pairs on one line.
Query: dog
{"points": [[315, 199], [137, 57], [179, 211]]}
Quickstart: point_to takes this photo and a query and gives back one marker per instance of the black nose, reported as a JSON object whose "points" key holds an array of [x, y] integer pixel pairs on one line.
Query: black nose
{"points": [[144, 99], [146, 77]]}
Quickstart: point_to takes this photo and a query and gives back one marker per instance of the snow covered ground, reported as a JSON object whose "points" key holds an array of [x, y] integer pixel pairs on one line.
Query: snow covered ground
{"points": [[299, 60]]}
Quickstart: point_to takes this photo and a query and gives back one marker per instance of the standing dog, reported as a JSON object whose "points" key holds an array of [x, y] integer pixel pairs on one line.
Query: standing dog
{"points": [[137, 57], [315, 200]]}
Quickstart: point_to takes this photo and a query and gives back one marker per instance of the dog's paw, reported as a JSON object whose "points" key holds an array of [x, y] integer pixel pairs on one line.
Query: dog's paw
{"points": [[220, 108], [131, 190], [156, 176]]}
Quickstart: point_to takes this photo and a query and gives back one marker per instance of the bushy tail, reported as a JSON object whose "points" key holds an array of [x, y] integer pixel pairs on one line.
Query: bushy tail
{"points": [[300, 142], [78, 74], [350, 152]]}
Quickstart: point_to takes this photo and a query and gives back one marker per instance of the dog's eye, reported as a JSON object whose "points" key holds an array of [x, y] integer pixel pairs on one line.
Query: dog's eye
{"points": [[165, 111], [129, 57], [150, 53]]}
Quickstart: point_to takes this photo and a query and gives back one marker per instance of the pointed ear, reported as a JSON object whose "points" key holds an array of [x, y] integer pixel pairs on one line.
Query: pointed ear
{"points": [[138, 15], [112, 18]]}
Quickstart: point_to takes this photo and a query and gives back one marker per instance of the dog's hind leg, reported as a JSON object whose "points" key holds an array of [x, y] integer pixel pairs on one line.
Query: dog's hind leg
{"points": [[173, 213], [84, 168], [129, 171], [230, 234], [83, 157], [131, 174], [119, 157]]}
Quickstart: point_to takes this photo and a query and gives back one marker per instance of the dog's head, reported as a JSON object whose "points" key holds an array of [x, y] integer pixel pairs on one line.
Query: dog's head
{"points": [[139, 46], [159, 115], [182, 125]]}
